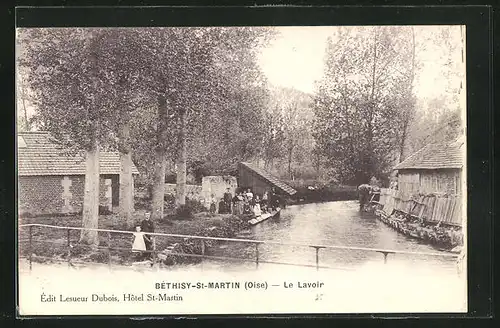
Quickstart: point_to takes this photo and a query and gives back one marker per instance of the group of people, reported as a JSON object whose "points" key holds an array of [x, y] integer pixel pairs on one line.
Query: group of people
{"points": [[245, 202]]}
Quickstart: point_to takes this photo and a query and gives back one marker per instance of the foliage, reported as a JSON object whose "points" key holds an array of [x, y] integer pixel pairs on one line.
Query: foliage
{"points": [[188, 210], [358, 101]]}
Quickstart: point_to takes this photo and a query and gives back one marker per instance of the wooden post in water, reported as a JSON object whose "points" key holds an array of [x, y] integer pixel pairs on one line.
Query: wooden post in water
{"points": [[256, 255], [69, 247], [31, 245]]}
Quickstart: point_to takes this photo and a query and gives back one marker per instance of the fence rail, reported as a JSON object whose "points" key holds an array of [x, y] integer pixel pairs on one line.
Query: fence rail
{"points": [[256, 260]]}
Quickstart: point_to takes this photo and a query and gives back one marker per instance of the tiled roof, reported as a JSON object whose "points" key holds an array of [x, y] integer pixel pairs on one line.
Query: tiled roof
{"points": [[436, 156], [41, 156], [270, 179]]}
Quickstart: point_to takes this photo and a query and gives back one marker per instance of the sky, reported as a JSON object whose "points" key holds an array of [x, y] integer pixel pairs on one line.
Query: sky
{"points": [[295, 59]]}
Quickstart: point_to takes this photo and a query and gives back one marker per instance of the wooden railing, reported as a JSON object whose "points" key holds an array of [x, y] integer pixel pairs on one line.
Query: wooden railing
{"points": [[257, 260]]}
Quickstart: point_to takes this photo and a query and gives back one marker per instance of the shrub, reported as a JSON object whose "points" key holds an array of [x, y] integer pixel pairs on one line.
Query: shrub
{"points": [[103, 210], [188, 210], [169, 201]]}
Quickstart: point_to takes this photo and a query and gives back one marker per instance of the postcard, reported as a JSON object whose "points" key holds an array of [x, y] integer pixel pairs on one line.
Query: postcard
{"points": [[241, 170]]}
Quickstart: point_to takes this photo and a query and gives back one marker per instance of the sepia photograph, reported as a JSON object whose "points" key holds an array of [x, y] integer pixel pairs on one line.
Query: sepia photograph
{"points": [[241, 170]]}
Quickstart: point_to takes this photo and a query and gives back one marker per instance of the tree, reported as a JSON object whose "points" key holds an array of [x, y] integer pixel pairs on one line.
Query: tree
{"points": [[358, 100], [190, 76], [288, 126], [73, 75]]}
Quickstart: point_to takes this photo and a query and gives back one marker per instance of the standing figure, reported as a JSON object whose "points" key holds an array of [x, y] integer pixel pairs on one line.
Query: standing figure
{"points": [[148, 226], [139, 245], [264, 204], [240, 203], [227, 200], [256, 207], [213, 206], [249, 194], [235, 202]]}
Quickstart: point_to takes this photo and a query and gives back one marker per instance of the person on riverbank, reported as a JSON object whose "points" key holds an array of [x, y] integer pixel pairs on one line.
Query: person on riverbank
{"points": [[227, 200], [147, 225], [249, 194], [139, 244], [241, 203], [256, 206], [265, 202], [213, 205], [364, 191]]}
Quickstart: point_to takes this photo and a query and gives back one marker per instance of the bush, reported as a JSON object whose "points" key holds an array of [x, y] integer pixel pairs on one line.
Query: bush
{"points": [[188, 210], [169, 201], [103, 210]]}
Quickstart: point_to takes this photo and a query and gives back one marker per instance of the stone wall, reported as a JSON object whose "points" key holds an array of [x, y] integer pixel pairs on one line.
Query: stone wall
{"points": [[217, 186], [42, 195], [192, 191]]}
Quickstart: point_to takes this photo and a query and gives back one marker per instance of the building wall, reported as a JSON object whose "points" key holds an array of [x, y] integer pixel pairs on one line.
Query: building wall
{"points": [[430, 181], [45, 194]]}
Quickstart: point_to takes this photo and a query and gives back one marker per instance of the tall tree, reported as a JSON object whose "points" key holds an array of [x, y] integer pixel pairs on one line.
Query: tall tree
{"points": [[190, 75], [64, 74], [74, 75], [358, 100]]}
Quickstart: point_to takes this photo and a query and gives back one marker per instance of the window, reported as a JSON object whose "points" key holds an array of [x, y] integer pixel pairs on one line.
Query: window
{"points": [[20, 142]]}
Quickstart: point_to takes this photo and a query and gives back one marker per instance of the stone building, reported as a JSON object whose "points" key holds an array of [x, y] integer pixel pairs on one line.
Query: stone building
{"points": [[52, 182]]}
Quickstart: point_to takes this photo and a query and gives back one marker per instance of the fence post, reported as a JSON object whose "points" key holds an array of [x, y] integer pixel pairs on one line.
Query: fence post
{"points": [[31, 244], [256, 255], [153, 242], [317, 255], [385, 255], [109, 249], [202, 252], [69, 248]]}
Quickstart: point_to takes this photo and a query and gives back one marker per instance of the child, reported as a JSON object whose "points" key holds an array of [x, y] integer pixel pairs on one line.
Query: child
{"points": [[139, 246], [213, 205]]}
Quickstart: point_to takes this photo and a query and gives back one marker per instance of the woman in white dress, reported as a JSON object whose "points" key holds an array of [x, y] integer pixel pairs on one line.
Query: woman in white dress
{"points": [[139, 246], [256, 207]]}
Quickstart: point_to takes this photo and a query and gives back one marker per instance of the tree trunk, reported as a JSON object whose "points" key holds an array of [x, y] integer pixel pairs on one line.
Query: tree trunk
{"points": [[181, 163], [126, 182], [290, 156], [91, 197], [159, 184], [160, 160], [408, 114]]}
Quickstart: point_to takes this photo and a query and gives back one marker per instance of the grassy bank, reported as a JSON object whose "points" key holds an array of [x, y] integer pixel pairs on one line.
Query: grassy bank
{"points": [[52, 244]]}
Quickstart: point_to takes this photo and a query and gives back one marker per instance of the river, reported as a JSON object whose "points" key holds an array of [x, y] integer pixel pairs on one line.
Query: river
{"points": [[362, 283], [332, 223]]}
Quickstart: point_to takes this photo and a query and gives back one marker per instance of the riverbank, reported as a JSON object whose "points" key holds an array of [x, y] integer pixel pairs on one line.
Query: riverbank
{"points": [[441, 236], [320, 193], [51, 245]]}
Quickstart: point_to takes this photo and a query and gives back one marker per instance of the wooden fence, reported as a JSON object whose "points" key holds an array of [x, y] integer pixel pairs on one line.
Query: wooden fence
{"points": [[446, 209]]}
